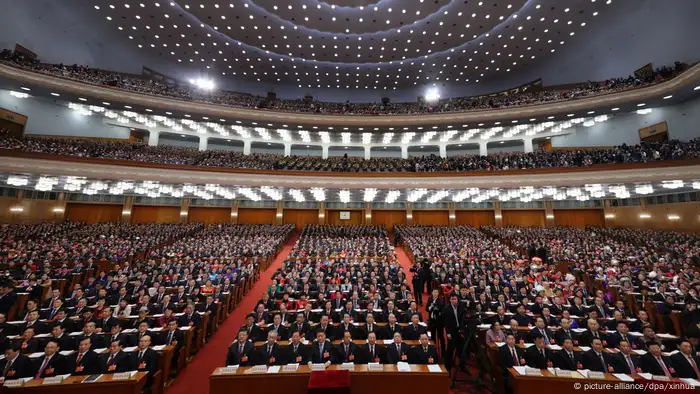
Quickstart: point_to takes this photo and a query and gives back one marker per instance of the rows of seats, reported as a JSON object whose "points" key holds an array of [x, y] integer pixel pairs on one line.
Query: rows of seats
{"points": [[146, 309], [158, 88], [566, 297], [559, 158]]}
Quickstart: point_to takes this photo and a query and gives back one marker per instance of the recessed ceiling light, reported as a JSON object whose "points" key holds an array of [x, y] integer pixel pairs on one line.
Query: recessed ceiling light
{"points": [[697, 87], [127, 106], [615, 109], [105, 103], [25, 88], [668, 97], [502, 142], [641, 104], [55, 94], [82, 99]]}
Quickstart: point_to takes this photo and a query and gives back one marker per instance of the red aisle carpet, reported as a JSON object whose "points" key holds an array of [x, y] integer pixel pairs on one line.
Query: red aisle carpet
{"points": [[195, 377]]}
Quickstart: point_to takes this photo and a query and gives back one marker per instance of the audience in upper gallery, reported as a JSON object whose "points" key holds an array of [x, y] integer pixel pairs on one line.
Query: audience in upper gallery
{"points": [[131, 302], [560, 158], [152, 87]]}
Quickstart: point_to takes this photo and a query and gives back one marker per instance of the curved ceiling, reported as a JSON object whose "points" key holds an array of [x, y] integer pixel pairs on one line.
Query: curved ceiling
{"points": [[351, 44]]}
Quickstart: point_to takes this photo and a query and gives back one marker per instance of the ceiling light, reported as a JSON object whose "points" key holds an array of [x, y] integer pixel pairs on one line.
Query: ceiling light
{"points": [[55, 94], [668, 97]]}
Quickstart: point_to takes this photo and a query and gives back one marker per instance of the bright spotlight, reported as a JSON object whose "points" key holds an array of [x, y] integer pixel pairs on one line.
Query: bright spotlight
{"points": [[202, 83], [432, 95]]}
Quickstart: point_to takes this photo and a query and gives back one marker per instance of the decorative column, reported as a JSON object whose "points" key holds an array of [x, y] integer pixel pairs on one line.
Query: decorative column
{"points": [[368, 152], [497, 214], [443, 150], [609, 213], [324, 150], [153, 137], [368, 212], [246, 147], [548, 214], [287, 149], [184, 210], [126, 209], [59, 210], [203, 141], [404, 152], [528, 145], [483, 148], [453, 215], [409, 213], [234, 211], [280, 212], [322, 213]]}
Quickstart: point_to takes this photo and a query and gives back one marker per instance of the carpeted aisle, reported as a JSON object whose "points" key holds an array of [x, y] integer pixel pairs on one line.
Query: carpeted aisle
{"points": [[405, 262], [195, 377]]}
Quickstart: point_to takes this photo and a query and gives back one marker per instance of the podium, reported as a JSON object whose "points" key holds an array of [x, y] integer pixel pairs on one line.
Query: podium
{"points": [[329, 382]]}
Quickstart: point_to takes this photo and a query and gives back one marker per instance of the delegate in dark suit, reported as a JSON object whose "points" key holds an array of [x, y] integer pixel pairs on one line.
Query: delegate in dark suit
{"points": [[346, 357], [21, 367], [119, 363], [378, 356], [89, 363], [591, 360], [535, 359], [394, 354], [423, 355], [148, 362], [683, 367], [413, 332], [238, 355], [318, 357], [267, 355], [567, 361], [506, 360], [56, 366], [298, 355], [619, 362], [649, 364]]}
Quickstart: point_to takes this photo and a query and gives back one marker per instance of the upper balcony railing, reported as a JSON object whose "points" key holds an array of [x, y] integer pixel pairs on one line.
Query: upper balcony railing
{"points": [[576, 105]]}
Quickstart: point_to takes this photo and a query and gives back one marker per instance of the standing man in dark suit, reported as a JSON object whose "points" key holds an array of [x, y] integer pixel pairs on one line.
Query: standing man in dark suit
{"points": [[685, 362], [84, 361], [15, 365], [321, 349], [270, 353], [567, 359], [538, 356], [625, 361], [51, 363], [434, 308], [656, 363], [595, 359], [241, 351], [452, 319], [397, 351], [346, 351], [372, 351], [425, 353], [116, 360]]}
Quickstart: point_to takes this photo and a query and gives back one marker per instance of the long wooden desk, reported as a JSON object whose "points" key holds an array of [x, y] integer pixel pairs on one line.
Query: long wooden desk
{"points": [[73, 385], [362, 381], [561, 385]]}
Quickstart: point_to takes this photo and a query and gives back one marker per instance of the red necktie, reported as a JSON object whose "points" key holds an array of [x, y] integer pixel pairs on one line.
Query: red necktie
{"points": [[80, 357], [111, 358], [41, 370], [515, 357], [663, 365], [695, 366]]}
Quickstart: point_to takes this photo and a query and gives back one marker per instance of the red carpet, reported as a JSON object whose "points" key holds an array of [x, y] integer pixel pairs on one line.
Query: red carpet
{"points": [[195, 377], [405, 262]]}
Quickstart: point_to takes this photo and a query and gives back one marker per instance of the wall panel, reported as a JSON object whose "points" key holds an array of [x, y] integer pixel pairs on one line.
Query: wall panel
{"points": [[35, 211], [93, 213], [689, 214], [208, 215], [388, 218], [256, 216], [155, 214], [527, 218], [474, 218], [431, 218], [356, 217], [579, 217], [300, 217]]}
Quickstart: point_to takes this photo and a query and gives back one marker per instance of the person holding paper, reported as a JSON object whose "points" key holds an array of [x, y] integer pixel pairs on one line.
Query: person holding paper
{"points": [[321, 349], [297, 352], [685, 362], [84, 361], [425, 353], [567, 359], [373, 352], [241, 351], [346, 351], [397, 351], [625, 361], [595, 359], [538, 356], [270, 353]]}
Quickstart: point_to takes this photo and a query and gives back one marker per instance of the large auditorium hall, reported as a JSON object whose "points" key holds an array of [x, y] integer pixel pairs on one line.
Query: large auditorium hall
{"points": [[349, 196]]}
